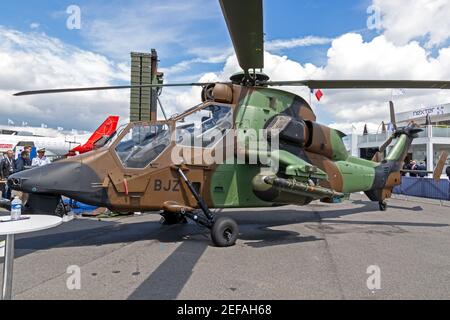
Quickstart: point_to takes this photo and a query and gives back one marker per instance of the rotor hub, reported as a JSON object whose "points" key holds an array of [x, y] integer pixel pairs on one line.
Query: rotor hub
{"points": [[256, 78]]}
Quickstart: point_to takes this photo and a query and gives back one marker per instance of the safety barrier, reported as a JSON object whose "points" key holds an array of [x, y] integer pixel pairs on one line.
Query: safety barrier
{"points": [[424, 187]]}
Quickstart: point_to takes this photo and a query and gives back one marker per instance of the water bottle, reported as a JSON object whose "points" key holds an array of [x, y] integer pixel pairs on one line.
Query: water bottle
{"points": [[16, 209]]}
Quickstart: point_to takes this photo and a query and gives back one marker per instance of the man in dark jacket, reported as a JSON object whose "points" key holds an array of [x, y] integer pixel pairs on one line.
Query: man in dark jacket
{"points": [[23, 162], [7, 167], [28, 161], [447, 172], [422, 167]]}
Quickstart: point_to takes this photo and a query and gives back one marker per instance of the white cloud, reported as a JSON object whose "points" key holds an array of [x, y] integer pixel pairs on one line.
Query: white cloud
{"points": [[205, 56], [139, 26], [405, 20], [276, 45], [278, 67], [37, 61], [357, 127], [34, 26], [46, 62], [220, 55], [350, 57]]}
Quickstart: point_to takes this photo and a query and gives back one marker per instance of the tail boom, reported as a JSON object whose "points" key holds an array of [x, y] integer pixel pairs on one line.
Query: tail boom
{"points": [[388, 173]]}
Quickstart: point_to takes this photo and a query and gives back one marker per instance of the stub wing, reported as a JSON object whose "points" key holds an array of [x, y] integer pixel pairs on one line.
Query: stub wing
{"points": [[296, 181]]}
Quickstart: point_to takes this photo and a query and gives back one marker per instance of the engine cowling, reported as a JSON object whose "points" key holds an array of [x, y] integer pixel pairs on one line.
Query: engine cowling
{"points": [[310, 135], [290, 130], [326, 141], [218, 92]]}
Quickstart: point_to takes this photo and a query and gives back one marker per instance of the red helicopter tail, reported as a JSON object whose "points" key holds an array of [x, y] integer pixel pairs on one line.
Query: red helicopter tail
{"points": [[106, 129]]}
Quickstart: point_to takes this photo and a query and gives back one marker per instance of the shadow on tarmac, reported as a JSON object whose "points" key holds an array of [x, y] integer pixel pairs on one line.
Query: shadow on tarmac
{"points": [[167, 281]]}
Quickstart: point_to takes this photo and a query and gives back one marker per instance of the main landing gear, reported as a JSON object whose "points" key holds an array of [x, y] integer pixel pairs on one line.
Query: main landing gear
{"points": [[224, 231], [382, 205]]}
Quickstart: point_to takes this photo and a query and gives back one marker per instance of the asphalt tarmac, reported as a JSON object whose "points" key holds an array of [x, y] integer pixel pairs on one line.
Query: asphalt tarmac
{"points": [[322, 251]]}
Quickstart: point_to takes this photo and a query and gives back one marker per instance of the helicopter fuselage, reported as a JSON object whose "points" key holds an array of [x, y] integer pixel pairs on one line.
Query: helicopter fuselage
{"points": [[141, 175]]}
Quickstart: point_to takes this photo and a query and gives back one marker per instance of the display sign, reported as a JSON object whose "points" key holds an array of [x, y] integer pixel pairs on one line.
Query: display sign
{"points": [[5, 147], [435, 111]]}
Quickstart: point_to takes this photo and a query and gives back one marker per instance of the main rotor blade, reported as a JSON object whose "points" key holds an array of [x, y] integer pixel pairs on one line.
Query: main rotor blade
{"points": [[365, 84], [245, 25], [378, 157], [440, 166], [392, 111], [386, 144], [50, 91]]}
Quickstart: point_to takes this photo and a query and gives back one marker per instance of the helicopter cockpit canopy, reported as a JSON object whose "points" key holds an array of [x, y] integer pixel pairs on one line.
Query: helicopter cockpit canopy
{"points": [[142, 144], [139, 144], [204, 127]]}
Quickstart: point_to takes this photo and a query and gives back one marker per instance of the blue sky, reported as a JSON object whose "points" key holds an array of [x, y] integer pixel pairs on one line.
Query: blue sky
{"points": [[327, 39], [283, 20]]}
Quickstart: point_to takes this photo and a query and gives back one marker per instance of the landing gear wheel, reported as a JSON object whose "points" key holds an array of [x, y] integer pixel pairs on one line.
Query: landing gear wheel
{"points": [[224, 232], [62, 209], [383, 205]]}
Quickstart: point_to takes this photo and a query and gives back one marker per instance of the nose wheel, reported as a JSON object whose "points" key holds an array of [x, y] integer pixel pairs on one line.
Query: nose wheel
{"points": [[224, 232]]}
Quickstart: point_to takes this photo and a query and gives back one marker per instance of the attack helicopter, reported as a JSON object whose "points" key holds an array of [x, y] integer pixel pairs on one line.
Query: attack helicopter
{"points": [[135, 169]]}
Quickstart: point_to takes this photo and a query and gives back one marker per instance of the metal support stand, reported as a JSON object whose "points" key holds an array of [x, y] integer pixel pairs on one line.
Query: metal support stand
{"points": [[208, 221], [8, 268]]}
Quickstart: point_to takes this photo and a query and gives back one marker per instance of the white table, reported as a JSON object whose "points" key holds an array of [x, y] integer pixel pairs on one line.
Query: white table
{"points": [[35, 223]]}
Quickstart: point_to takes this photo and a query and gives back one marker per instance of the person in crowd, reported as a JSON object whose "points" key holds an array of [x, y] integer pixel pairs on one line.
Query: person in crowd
{"points": [[422, 167], [41, 160], [405, 167], [447, 172], [7, 167], [410, 164], [22, 162], [413, 166], [28, 149]]}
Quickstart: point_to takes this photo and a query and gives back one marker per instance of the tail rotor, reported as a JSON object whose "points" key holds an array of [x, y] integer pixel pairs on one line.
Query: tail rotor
{"points": [[379, 155]]}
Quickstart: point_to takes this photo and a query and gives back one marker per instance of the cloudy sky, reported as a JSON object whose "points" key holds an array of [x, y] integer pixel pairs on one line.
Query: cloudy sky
{"points": [[304, 40]]}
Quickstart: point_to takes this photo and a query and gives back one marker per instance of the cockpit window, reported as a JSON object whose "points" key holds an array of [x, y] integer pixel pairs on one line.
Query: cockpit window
{"points": [[115, 135], [205, 127], [142, 145]]}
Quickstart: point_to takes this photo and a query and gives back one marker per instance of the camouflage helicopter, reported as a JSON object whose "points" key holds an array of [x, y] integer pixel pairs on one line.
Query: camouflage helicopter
{"points": [[135, 171]]}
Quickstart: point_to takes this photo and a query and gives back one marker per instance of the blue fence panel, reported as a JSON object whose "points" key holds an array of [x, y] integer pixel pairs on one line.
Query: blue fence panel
{"points": [[424, 187], [78, 207]]}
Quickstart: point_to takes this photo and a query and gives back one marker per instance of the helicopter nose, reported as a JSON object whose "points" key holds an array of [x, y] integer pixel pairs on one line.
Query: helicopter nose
{"points": [[53, 178], [15, 181], [20, 181]]}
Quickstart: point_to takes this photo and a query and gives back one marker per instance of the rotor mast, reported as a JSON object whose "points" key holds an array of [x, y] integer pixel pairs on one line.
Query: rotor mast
{"points": [[245, 24]]}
